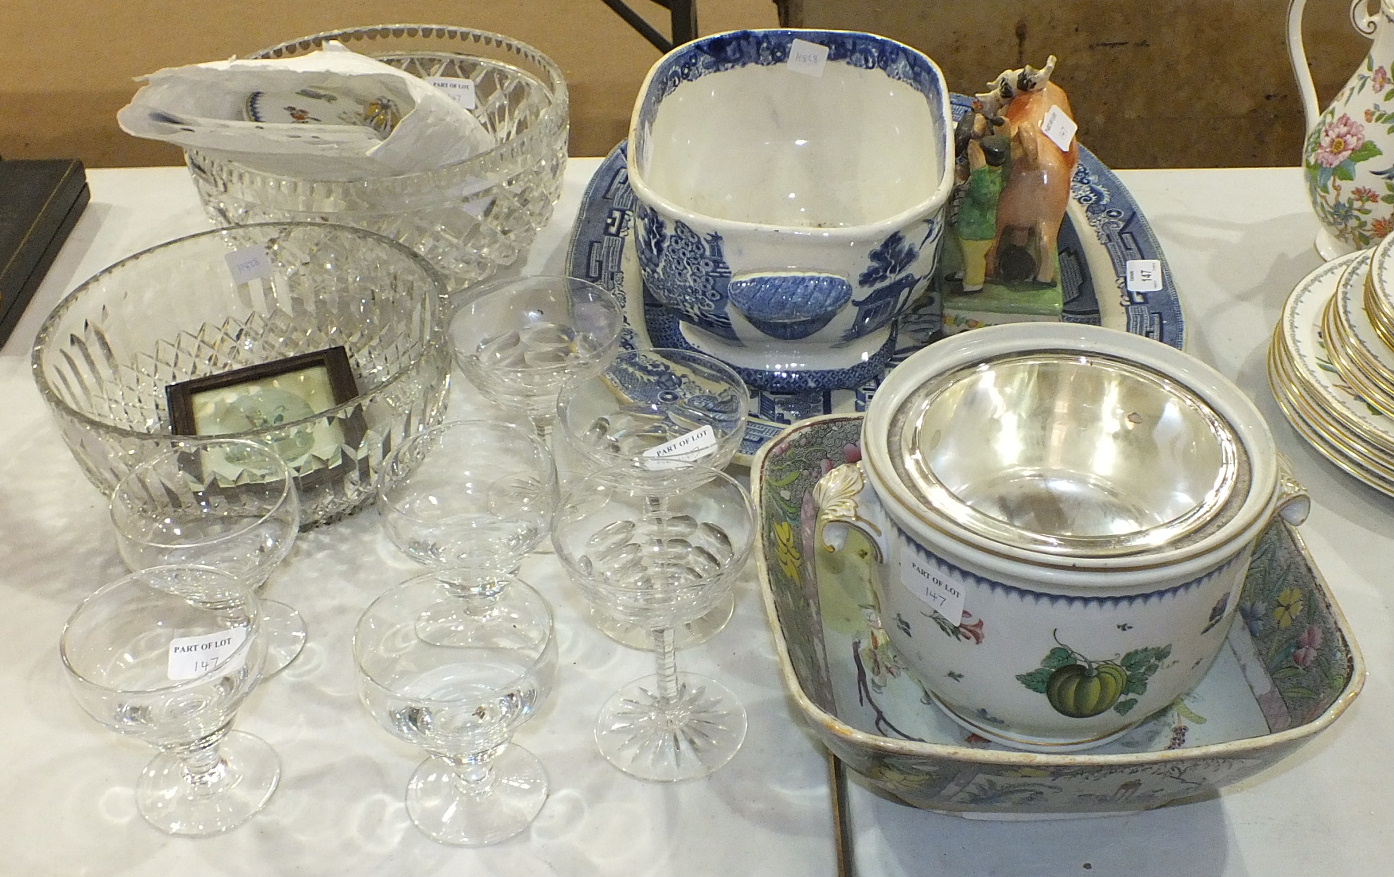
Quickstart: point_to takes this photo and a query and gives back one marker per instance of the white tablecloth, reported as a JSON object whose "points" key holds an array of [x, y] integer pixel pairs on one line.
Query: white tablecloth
{"points": [[1237, 242]]}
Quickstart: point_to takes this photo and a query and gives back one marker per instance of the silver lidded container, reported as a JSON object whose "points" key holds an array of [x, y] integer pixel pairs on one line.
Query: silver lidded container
{"points": [[1068, 454], [1063, 516]]}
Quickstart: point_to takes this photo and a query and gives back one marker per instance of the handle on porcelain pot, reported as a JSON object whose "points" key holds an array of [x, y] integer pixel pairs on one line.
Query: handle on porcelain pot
{"points": [[789, 305], [852, 549], [844, 503], [1294, 503]]}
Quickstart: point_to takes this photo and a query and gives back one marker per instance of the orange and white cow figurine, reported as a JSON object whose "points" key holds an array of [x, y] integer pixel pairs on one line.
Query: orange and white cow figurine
{"points": [[1035, 114]]}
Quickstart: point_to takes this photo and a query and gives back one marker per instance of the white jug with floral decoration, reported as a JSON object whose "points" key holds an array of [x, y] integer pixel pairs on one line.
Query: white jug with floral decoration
{"points": [[1348, 153]]}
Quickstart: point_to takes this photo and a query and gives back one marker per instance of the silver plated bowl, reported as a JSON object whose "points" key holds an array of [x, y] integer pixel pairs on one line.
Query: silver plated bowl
{"points": [[1054, 505], [1069, 453]]}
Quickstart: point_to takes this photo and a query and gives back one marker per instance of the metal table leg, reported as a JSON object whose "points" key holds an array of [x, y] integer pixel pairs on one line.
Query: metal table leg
{"points": [[682, 17]]}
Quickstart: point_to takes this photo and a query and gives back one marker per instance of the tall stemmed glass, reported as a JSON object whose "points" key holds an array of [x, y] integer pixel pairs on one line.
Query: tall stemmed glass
{"points": [[648, 408], [519, 341], [659, 568], [469, 494], [226, 503], [459, 691], [167, 655]]}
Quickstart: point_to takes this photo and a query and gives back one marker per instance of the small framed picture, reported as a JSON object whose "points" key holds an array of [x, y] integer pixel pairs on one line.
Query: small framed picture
{"points": [[258, 397]]}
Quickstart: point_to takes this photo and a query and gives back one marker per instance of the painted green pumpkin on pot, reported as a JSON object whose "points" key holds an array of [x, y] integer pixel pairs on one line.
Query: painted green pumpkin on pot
{"points": [[1081, 691]]}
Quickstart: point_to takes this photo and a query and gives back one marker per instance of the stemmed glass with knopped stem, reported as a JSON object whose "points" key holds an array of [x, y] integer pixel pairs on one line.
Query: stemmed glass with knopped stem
{"points": [[469, 493], [660, 566], [459, 688], [167, 655], [519, 341], [648, 408], [227, 503]]}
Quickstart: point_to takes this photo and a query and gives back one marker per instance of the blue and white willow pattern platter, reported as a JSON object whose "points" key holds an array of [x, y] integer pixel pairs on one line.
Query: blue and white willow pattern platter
{"points": [[1104, 232]]}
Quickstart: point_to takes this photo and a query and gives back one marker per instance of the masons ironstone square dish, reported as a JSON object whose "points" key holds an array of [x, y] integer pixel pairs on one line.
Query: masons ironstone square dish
{"points": [[1289, 669]]}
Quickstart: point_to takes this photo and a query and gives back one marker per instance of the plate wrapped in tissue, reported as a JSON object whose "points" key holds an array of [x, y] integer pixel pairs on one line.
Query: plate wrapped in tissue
{"points": [[468, 217], [329, 114]]}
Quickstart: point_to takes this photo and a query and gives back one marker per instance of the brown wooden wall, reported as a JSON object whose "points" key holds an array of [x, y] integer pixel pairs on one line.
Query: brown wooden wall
{"points": [[1161, 84], [1166, 83], [67, 66]]}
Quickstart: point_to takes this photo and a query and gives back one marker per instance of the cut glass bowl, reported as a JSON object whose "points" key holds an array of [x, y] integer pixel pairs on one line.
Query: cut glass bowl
{"points": [[105, 356], [467, 218]]}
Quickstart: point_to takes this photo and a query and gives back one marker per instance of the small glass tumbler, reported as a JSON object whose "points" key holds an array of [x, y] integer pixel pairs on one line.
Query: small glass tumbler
{"points": [[456, 673], [167, 655]]}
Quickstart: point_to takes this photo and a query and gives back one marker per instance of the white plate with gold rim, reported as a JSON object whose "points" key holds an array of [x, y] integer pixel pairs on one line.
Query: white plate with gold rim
{"points": [[1379, 292], [1369, 357], [1356, 461], [1316, 378]]}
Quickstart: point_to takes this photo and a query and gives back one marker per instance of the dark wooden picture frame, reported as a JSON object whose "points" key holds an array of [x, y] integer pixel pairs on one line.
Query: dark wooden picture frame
{"points": [[294, 389]]}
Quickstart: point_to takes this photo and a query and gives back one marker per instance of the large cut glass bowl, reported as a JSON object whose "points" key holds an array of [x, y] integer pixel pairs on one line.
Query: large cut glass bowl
{"points": [[105, 356], [467, 218]]}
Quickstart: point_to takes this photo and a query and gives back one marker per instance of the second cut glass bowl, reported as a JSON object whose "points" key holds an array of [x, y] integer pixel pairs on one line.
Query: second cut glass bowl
{"points": [[107, 354]]}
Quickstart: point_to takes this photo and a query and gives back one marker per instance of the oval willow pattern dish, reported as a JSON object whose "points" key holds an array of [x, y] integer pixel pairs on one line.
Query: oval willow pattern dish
{"points": [[1104, 231]]}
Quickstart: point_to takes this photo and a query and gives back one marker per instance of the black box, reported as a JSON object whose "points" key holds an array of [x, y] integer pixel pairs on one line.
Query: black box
{"points": [[40, 201]]}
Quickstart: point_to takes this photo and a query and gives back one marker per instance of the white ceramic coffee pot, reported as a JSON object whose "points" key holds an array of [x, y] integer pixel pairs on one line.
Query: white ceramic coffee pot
{"points": [[1348, 153]]}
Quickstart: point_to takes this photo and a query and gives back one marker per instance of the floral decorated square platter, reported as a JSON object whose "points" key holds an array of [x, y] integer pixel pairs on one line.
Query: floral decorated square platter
{"points": [[1104, 231], [1289, 670]]}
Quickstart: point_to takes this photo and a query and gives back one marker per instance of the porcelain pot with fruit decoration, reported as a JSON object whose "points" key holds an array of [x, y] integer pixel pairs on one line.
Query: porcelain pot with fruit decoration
{"points": [[1063, 516], [1348, 152]]}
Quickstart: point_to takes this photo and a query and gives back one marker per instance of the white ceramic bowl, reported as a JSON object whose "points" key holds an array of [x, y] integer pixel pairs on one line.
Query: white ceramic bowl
{"points": [[1061, 596], [790, 189]]}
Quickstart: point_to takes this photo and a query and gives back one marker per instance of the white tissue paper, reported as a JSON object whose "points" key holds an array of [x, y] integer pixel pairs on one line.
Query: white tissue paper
{"points": [[329, 115]]}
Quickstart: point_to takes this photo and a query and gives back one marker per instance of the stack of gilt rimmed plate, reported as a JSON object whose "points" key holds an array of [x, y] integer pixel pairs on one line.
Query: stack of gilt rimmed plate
{"points": [[1331, 363]]}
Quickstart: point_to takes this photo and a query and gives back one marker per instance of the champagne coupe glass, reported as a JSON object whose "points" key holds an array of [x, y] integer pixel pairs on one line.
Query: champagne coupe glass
{"points": [[167, 655], [519, 341], [222, 502], [469, 493], [652, 405], [459, 691], [660, 567], [648, 408]]}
